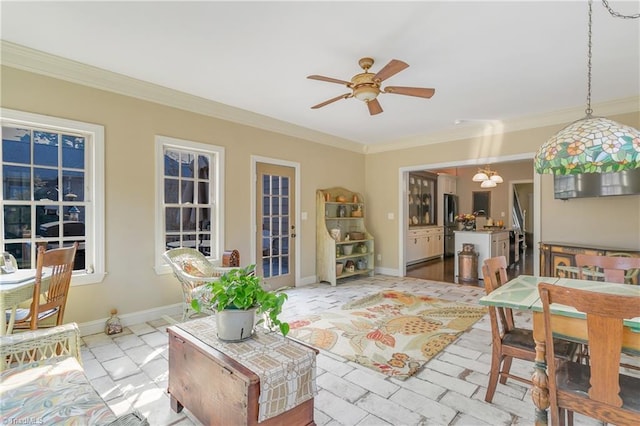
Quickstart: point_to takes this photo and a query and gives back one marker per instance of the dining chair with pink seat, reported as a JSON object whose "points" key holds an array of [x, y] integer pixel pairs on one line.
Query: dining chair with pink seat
{"points": [[615, 269]]}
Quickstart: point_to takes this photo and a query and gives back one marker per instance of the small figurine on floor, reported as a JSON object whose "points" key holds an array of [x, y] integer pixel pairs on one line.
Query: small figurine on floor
{"points": [[113, 325]]}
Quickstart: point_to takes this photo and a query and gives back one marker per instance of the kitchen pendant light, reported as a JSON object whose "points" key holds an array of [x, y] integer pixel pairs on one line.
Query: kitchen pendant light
{"points": [[591, 144], [488, 184], [480, 177], [488, 177]]}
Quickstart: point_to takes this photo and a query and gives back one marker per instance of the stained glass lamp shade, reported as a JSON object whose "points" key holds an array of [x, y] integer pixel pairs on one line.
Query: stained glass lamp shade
{"points": [[590, 145]]}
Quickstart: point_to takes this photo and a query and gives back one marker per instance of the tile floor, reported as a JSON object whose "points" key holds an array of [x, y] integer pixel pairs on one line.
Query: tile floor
{"points": [[129, 370]]}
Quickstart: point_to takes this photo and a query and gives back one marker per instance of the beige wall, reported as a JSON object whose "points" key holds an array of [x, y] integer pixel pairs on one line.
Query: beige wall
{"points": [[610, 221], [131, 124], [130, 127]]}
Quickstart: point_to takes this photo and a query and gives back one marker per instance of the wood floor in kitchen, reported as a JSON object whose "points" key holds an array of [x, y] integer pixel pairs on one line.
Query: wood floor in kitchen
{"points": [[443, 269]]}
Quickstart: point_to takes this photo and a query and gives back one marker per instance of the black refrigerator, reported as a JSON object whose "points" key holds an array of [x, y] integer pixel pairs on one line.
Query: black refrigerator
{"points": [[450, 212]]}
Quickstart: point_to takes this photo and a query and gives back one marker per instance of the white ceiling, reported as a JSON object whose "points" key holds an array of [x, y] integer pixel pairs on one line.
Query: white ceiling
{"points": [[503, 60]]}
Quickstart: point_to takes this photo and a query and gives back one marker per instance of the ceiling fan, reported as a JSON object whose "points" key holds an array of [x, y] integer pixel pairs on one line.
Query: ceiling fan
{"points": [[366, 86]]}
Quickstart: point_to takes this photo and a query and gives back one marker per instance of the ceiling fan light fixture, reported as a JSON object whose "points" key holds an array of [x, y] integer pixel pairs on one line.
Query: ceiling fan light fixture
{"points": [[366, 93]]}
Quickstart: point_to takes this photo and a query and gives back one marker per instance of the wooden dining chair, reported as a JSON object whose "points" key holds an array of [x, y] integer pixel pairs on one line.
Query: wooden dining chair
{"points": [[597, 390], [615, 269], [59, 262], [507, 340]]}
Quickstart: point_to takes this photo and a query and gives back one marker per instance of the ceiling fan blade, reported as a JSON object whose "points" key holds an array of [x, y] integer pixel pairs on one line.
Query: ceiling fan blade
{"points": [[337, 98], [328, 79], [374, 107], [392, 68], [419, 92]]}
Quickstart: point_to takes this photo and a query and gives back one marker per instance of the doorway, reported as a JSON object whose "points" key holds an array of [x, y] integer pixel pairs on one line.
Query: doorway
{"points": [[521, 202], [464, 190], [276, 224]]}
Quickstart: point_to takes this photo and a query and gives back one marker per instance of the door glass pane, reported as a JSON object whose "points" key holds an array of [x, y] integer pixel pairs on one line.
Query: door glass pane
{"points": [[275, 205], [275, 225]]}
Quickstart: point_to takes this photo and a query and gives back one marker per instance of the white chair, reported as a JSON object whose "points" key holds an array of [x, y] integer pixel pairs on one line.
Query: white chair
{"points": [[193, 270]]}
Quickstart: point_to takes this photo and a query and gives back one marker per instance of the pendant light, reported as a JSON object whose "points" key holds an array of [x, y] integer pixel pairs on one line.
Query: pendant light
{"points": [[591, 144], [489, 178]]}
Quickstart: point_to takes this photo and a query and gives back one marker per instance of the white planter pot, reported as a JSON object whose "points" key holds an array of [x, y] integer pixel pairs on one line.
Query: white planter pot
{"points": [[235, 325]]}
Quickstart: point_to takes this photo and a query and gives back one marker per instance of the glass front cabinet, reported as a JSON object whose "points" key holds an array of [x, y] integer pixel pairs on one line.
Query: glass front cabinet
{"points": [[421, 198]]}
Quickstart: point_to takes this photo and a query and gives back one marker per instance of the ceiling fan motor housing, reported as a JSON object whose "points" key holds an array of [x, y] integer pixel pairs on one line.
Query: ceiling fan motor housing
{"points": [[364, 87]]}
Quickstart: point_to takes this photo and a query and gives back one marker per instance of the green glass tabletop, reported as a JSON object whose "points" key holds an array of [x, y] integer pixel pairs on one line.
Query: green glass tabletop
{"points": [[519, 293]]}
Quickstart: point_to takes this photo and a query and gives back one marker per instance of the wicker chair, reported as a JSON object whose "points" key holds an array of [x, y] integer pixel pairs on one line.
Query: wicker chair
{"points": [[193, 270]]}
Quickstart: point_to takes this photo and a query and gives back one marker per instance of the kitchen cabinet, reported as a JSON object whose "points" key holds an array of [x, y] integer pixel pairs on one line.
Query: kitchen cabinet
{"points": [[424, 244], [447, 184], [416, 246], [487, 243], [421, 199], [342, 240], [500, 245], [435, 242]]}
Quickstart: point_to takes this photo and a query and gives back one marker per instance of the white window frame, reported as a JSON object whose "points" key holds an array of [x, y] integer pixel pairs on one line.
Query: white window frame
{"points": [[216, 176], [94, 186]]}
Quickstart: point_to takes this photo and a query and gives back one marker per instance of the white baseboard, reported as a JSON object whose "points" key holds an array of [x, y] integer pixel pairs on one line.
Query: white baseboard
{"points": [[97, 326], [388, 271], [307, 281]]}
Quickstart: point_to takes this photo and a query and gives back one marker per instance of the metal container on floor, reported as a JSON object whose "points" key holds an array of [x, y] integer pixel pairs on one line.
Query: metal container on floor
{"points": [[468, 263]]}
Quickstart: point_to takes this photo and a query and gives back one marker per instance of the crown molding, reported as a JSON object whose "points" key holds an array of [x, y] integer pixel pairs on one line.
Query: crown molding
{"points": [[497, 127], [35, 61]]}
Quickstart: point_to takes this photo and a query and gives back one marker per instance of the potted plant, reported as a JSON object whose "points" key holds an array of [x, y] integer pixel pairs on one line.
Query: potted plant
{"points": [[236, 297]]}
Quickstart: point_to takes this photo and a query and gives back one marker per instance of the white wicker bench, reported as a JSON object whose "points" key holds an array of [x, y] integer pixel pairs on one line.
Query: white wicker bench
{"points": [[42, 381]]}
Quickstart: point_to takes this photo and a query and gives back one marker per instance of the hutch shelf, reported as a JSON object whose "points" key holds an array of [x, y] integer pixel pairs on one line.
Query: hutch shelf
{"points": [[344, 247]]}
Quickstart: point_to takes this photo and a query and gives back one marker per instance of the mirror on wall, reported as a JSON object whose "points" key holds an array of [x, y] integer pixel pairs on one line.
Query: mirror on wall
{"points": [[482, 202]]}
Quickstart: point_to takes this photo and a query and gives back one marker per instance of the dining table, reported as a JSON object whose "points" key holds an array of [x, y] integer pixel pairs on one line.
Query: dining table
{"points": [[521, 293], [15, 288]]}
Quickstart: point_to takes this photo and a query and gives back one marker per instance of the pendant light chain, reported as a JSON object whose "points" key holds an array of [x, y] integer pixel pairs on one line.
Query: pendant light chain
{"points": [[619, 15], [588, 111], [613, 13]]}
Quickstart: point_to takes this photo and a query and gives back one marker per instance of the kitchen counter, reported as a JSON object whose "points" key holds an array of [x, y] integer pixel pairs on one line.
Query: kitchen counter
{"points": [[483, 231], [487, 243]]}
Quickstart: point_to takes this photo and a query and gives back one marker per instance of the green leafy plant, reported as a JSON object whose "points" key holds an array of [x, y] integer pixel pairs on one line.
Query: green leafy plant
{"points": [[241, 289]]}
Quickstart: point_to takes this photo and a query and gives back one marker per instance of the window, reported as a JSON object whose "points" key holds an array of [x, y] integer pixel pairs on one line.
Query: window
{"points": [[189, 212], [53, 190]]}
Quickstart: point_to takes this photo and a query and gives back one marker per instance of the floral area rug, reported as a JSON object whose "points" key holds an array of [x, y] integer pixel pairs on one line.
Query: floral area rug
{"points": [[392, 332]]}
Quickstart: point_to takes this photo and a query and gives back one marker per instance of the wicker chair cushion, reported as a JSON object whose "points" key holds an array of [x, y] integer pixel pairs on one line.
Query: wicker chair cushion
{"points": [[192, 269], [54, 391]]}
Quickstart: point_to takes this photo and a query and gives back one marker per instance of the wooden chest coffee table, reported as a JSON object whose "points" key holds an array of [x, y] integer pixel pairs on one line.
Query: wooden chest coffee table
{"points": [[217, 389]]}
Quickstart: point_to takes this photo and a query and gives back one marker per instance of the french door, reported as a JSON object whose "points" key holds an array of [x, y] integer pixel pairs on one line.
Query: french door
{"points": [[275, 239]]}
